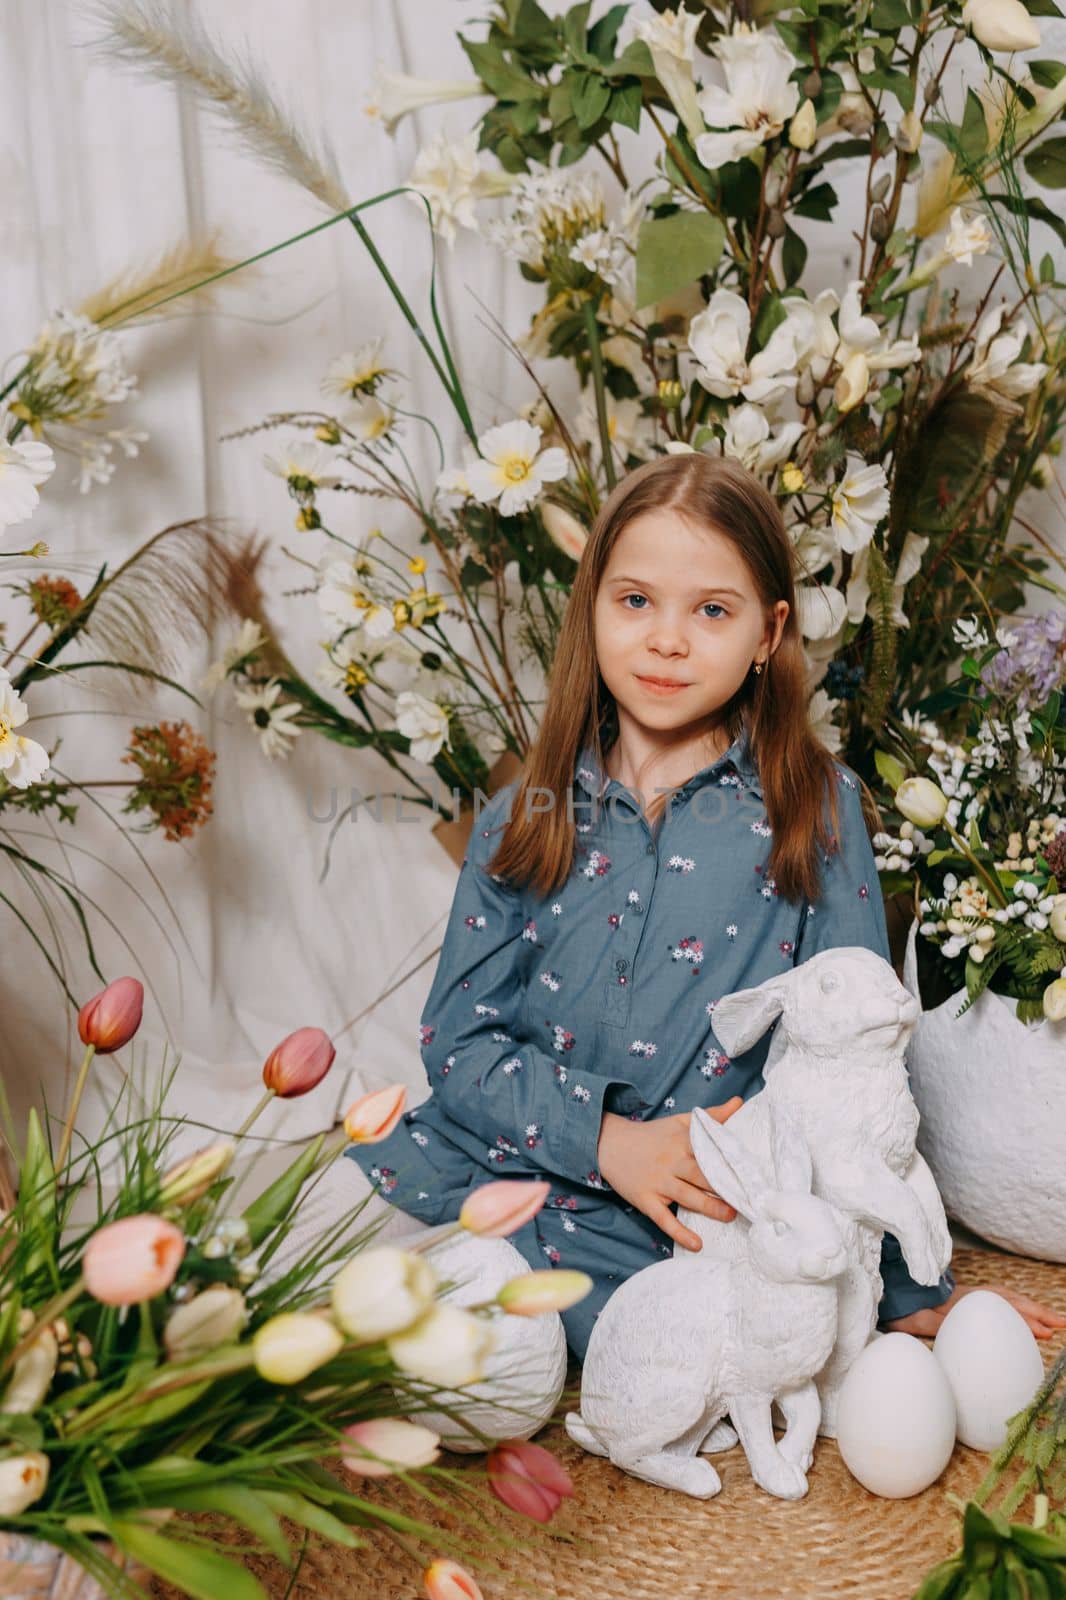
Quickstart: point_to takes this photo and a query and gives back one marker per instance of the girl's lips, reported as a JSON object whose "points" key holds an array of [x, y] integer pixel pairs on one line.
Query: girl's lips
{"points": [[659, 685]]}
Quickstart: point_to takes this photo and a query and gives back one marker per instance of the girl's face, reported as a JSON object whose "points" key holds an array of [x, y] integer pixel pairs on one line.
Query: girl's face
{"points": [[677, 602]]}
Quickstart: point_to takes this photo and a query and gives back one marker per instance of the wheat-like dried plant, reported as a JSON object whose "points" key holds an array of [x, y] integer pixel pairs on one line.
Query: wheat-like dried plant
{"points": [[175, 272]]}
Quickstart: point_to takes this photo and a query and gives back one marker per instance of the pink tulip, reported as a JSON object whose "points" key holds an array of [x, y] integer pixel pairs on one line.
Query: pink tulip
{"points": [[537, 1292], [298, 1063], [388, 1444], [110, 1019], [374, 1116], [447, 1580], [132, 1260], [528, 1478], [498, 1209]]}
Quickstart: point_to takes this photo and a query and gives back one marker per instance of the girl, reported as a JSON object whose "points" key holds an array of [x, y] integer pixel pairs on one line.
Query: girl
{"points": [[678, 832]]}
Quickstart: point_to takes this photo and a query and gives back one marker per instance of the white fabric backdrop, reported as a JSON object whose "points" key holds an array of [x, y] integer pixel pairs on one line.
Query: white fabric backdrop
{"points": [[103, 169]]}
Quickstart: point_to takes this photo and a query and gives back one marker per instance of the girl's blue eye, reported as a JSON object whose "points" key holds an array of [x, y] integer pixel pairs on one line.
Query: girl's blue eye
{"points": [[627, 597]]}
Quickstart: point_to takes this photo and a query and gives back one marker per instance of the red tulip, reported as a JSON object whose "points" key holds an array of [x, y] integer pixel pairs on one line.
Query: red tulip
{"points": [[133, 1259], [298, 1063], [112, 1017], [373, 1116], [497, 1209], [447, 1580], [528, 1478]]}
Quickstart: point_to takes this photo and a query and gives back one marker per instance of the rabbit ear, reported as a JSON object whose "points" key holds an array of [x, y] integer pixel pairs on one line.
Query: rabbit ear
{"points": [[726, 1163], [740, 1019], [791, 1153]]}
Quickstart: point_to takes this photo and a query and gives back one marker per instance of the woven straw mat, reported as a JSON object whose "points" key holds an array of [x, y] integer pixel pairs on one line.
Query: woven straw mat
{"points": [[620, 1539]]}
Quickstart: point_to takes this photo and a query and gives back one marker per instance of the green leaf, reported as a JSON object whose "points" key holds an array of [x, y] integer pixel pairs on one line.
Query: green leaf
{"points": [[278, 1199], [674, 251], [1047, 164], [1047, 268], [241, 1504], [575, 30], [888, 16], [634, 62], [591, 95], [817, 202], [973, 135], [793, 256], [890, 769], [500, 78], [307, 1514], [1046, 73], [943, 1582], [603, 35], [202, 1574], [626, 105], [1042, 8]]}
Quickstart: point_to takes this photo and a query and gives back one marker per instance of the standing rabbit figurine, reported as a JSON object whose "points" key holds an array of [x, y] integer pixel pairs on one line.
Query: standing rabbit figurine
{"points": [[686, 1340], [836, 1065]]}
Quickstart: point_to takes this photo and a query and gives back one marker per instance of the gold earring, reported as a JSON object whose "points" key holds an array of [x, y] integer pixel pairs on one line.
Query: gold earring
{"points": [[758, 666]]}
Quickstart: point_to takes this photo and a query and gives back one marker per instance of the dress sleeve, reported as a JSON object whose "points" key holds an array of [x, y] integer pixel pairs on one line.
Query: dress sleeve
{"points": [[486, 1075], [851, 911]]}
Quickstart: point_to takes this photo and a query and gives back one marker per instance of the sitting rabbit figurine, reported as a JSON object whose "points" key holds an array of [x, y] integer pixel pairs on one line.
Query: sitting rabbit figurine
{"points": [[686, 1340], [836, 1064]]}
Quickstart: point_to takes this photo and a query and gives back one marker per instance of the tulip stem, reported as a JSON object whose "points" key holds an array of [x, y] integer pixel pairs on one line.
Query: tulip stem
{"points": [[53, 1309], [256, 1111], [75, 1103], [418, 1247]]}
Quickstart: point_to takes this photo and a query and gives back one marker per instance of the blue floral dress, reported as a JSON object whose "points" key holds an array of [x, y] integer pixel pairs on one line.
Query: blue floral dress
{"points": [[546, 1012]]}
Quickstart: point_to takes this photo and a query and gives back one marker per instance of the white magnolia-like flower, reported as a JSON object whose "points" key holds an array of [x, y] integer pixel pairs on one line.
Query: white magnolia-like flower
{"points": [[304, 465], [22, 761], [820, 710], [858, 591], [449, 176], [356, 371], [860, 332], [718, 338], [821, 610], [23, 465], [860, 501], [758, 98], [966, 237], [629, 430], [512, 468], [819, 342], [247, 641], [423, 722], [995, 364], [273, 722], [671, 40], [368, 418], [396, 94], [1001, 24], [749, 439]]}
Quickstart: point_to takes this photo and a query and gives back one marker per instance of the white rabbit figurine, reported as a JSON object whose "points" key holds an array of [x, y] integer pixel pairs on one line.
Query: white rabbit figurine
{"points": [[686, 1340], [836, 1064]]}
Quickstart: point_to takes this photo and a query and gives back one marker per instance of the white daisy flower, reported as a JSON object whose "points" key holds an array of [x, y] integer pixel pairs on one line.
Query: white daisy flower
{"points": [[860, 501], [757, 100], [368, 418], [248, 640], [304, 465], [356, 371], [513, 469], [272, 722], [23, 465], [22, 761], [423, 722]]}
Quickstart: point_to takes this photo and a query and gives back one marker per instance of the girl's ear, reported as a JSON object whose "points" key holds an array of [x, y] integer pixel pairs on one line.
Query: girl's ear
{"points": [[726, 1163], [791, 1153], [739, 1020]]}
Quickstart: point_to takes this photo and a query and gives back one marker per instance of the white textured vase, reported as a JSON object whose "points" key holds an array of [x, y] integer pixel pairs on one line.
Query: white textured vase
{"points": [[992, 1096]]}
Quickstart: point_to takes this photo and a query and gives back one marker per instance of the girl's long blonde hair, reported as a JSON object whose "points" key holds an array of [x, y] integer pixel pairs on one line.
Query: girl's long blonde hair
{"points": [[536, 846]]}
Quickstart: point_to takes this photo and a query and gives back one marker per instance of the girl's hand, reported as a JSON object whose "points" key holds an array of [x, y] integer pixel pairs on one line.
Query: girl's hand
{"points": [[651, 1165], [1040, 1318]]}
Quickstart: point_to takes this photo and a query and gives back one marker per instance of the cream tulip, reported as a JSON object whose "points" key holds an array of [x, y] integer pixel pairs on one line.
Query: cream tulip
{"points": [[385, 1445], [215, 1316], [1055, 1000], [1001, 24], [291, 1346], [803, 128], [23, 1479], [1058, 918], [448, 1347], [382, 1292], [922, 802], [32, 1376]]}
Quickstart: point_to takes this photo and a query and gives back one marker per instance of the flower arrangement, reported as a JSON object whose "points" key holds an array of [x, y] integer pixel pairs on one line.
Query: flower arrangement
{"points": [[155, 1358], [897, 420], [981, 844]]}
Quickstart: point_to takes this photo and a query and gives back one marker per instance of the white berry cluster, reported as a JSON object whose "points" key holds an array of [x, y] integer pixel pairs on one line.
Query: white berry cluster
{"points": [[896, 853], [1039, 833], [964, 914]]}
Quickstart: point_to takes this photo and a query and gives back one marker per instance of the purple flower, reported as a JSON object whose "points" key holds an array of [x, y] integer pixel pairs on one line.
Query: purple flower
{"points": [[1033, 664]]}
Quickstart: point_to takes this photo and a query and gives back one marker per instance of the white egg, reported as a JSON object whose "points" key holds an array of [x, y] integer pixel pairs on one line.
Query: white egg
{"points": [[896, 1422], [992, 1362]]}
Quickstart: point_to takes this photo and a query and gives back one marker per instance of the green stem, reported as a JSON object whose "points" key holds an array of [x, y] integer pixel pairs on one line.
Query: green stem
{"points": [[992, 882], [256, 1111], [79, 1090], [596, 357]]}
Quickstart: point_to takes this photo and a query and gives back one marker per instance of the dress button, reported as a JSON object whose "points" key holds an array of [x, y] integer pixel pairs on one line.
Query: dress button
{"points": [[649, 850], [620, 966]]}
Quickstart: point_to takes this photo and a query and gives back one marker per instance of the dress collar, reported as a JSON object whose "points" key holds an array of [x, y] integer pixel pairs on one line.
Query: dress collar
{"points": [[594, 780]]}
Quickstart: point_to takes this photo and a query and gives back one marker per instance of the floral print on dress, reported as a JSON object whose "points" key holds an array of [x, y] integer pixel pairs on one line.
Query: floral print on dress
{"points": [[581, 1094], [768, 887], [787, 948], [715, 1064], [551, 980], [643, 1047], [384, 1179], [761, 828], [482, 1010], [864, 891], [731, 930], [683, 864], [562, 1038], [446, 1066], [530, 931], [597, 866], [689, 949], [560, 1073], [533, 1135], [557, 909], [476, 923], [419, 1138], [426, 1035], [509, 1068]]}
